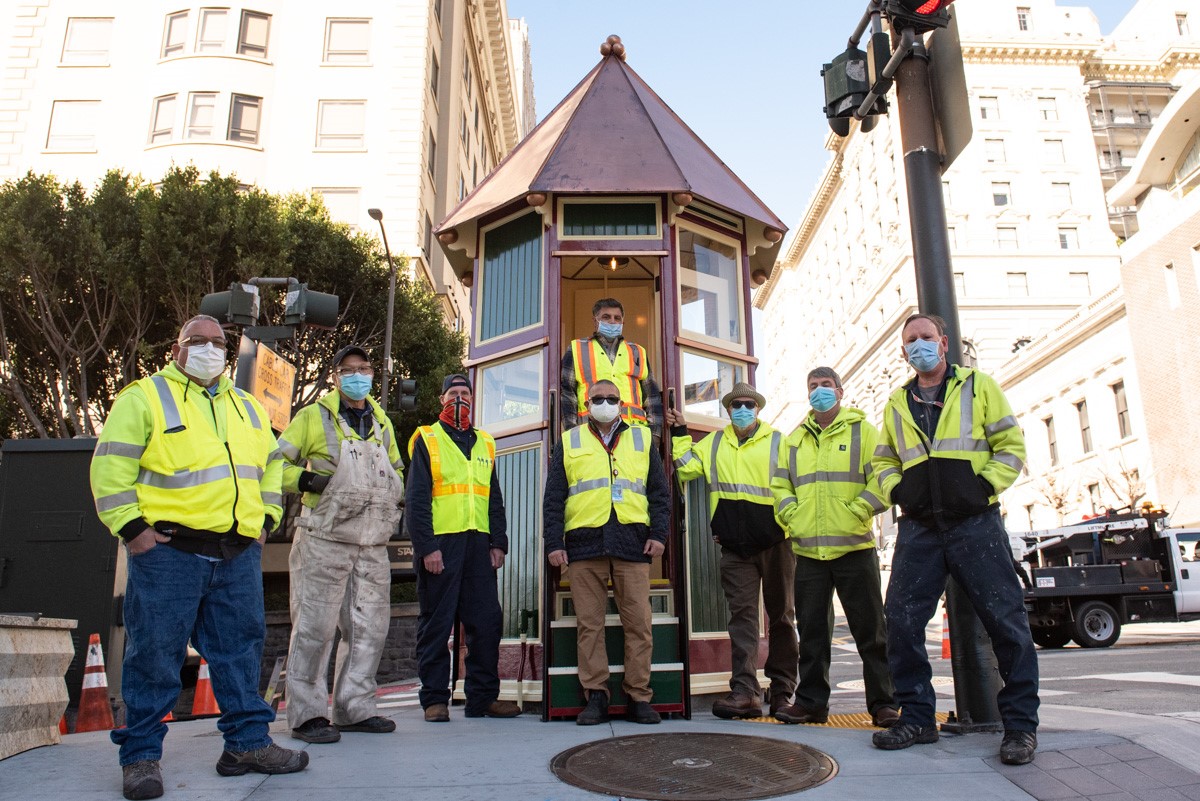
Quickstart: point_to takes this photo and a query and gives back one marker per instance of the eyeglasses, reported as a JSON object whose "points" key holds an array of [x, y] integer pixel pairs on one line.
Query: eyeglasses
{"points": [[743, 404], [611, 400], [346, 372], [198, 341]]}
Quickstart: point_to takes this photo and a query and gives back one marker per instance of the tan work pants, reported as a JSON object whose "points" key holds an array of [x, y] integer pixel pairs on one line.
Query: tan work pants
{"points": [[631, 589]]}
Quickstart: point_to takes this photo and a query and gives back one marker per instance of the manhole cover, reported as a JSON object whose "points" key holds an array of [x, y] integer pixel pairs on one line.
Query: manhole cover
{"points": [[696, 767]]}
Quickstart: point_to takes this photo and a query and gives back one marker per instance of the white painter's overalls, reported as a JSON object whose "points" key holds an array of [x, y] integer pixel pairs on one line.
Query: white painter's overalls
{"points": [[341, 580]]}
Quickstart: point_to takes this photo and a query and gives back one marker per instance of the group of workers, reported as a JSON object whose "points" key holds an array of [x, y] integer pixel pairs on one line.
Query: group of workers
{"points": [[188, 473]]}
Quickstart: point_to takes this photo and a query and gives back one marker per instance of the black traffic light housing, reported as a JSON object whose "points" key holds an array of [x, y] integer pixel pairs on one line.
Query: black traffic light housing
{"points": [[846, 87], [239, 306], [306, 307], [408, 395], [920, 15]]}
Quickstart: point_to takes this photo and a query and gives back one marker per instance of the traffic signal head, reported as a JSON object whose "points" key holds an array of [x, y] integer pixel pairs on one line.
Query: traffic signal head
{"points": [[408, 395], [308, 308], [920, 15], [846, 87], [238, 306]]}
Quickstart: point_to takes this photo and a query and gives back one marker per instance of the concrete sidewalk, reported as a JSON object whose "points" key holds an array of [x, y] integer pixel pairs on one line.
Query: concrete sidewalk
{"points": [[1083, 754]]}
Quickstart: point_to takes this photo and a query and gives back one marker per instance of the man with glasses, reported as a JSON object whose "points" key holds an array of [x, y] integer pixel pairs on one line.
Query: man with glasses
{"points": [[606, 512], [950, 445], [186, 472], [341, 453], [736, 464]]}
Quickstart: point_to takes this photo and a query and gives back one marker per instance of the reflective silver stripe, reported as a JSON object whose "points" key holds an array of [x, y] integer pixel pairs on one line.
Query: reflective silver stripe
{"points": [[1003, 424], [249, 471], [712, 458], [744, 489], [126, 449], [785, 502], [322, 465], [792, 465], [639, 443], [398, 465], [245, 396], [776, 438], [184, 478], [874, 502], [856, 453], [888, 473], [959, 444], [273, 498], [781, 472], [584, 348], [834, 541], [685, 459], [169, 407], [636, 486], [828, 475], [331, 440], [966, 405], [885, 451], [274, 455], [576, 442], [109, 502], [868, 470], [910, 454], [290, 452], [1009, 459], [587, 486]]}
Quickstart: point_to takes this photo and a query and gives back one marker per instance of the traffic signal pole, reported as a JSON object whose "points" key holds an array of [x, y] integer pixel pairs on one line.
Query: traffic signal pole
{"points": [[976, 675]]}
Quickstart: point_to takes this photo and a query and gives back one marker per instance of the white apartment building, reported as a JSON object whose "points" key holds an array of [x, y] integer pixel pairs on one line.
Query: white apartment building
{"points": [[521, 58], [402, 106], [1035, 244]]}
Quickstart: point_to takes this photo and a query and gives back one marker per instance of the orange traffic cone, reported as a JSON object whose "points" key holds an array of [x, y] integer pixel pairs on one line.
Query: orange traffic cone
{"points": [[204, 703], [945, 635], [95, 713], [62, 725]]}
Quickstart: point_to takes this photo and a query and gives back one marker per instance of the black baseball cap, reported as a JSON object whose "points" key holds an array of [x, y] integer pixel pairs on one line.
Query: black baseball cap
{"points": [[456, 380], [349, 350]]}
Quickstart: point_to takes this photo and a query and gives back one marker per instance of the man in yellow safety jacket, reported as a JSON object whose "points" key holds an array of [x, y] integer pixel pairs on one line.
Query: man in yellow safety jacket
{"points": [[825, 496], [736, 464], [341, 453], [455, 516], [608, 356], [186, 472], [605, 514], [950, 445]]}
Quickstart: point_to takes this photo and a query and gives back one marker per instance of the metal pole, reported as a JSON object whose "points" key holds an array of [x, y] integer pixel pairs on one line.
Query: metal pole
{"points": [[377, 215], [976, 676]]}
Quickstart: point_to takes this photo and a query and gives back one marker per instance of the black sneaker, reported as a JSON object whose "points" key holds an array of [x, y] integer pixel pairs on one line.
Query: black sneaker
{"points": [[372, 725], [317, 730], [142, 780], [271, 759], [641, 712], [1018, 747], [902, 735], [596, 710]]}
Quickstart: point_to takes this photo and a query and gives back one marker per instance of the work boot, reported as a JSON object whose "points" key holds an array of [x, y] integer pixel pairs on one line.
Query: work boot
{"points": [[437, 713], [497, 709], [778, 702], [1017, 747], [885, 717], [737, 705], [596, 710], [271, 759], [797, 713], [372, 725], [142, 780], [316, 730], [641, 712], [902, 735]]}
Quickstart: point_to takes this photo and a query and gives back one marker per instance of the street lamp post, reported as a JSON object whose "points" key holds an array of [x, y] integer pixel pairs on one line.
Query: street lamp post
{"points": [[377, 216]]}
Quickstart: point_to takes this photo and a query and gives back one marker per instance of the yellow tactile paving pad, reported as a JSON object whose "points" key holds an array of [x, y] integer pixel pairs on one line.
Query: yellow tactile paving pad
{"points": [[859, 720]]}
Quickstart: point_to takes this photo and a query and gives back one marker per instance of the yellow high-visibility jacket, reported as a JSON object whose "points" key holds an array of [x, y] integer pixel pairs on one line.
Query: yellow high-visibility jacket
{"points": [[599, 482], [461, 487], [627, 371]]}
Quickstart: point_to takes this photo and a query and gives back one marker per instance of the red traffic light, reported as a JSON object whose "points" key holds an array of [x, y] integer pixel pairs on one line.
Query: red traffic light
{"points": [[931, 7], [920, 15]]}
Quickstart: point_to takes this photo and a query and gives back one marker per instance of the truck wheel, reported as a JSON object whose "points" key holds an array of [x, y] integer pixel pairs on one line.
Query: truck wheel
{"points": [[1096, 625], [1051, 636]]}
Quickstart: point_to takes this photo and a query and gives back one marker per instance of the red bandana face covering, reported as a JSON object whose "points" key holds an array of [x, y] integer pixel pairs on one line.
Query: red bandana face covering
{"points": [[457, 414]]}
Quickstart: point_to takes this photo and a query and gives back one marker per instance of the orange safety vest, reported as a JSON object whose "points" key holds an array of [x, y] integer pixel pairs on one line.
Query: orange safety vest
{"points": [[627, 371]]}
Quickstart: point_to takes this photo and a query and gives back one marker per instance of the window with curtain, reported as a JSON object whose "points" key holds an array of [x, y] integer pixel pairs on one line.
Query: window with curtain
{"points": [[510, 287]]}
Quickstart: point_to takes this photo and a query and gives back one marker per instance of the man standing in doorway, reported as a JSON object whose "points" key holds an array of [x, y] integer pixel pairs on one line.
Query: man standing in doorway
{"points": [[459, 534], [341, 453], [736, 464], [826, 497], [950, 445], [608, 356], [605, 514]]}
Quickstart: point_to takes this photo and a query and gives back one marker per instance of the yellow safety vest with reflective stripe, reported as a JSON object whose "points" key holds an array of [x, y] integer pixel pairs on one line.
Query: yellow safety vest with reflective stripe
{"points": [[462, 488], [599, 482], [734, 472], [824, 492], [627, 371], [976, 425]]}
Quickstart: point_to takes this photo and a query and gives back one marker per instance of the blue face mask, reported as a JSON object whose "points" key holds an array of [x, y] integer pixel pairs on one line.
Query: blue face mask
{"points": [[609, 330], [923, 355], [822, 399], [743, 418], [356, 387]]}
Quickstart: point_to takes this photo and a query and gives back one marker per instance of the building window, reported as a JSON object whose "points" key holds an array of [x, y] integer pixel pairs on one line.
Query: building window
{"points": [[994, 150], [428, 241], [1111, 159], [1181, 25], [1051, 440], [508, 295], [210, 32], [431, 161], [474, 173], [1172, 281], [174, 34], [347, 41], [342, 203], [201, 110], [960, 284], [1060, 193], [946, 197], [244, 117], [462, 187], [434, 72], [253, 34], [710, 295], [1023, 18], [341, 124], [73, 126], [162, 122], [467, 70], [1124, 428], [1018, 285], [86, 42], [1068, 239], [1052, 151], [1081, 284], [1048, 108], [1093, 491], [1006, 238], [1001, 193], [989, 108], [952, 236], [476, 114], [462, 131], [1085, 426]]}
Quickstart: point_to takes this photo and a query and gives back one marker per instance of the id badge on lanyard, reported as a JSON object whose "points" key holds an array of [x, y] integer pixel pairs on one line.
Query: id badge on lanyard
{"points": [[618, 493]]}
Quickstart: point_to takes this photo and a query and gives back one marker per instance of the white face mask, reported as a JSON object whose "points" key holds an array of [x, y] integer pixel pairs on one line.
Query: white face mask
{"points": [[604, 412], [204, 362]]}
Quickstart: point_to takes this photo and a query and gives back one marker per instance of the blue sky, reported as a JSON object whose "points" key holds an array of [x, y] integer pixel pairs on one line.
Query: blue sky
{"points": [[744, 75]]}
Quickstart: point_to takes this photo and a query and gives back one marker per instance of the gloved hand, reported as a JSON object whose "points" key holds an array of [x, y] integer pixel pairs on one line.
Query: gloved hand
{"points": [[318, 483]]}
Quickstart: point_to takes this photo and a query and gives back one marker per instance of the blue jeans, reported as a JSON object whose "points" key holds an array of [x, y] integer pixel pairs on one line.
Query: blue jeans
{"points": [[977, 554], [172, 596]]}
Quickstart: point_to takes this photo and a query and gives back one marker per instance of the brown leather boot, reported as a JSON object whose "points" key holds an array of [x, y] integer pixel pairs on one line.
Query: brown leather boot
{"points": [[737, 706]]}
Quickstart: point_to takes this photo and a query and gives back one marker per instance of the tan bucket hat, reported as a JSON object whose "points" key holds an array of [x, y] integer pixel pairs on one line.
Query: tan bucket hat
{"points": [[743, 390]]}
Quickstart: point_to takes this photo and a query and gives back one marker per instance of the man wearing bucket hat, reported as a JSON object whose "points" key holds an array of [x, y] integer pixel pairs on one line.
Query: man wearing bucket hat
{"points": [[341, 453], [737, 463], [459, 535]]}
